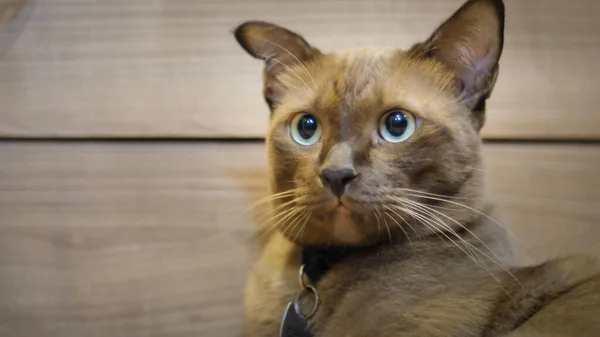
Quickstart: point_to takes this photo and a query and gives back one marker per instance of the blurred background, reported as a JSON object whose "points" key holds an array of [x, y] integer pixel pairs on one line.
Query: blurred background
{"points": [[131, 136]]}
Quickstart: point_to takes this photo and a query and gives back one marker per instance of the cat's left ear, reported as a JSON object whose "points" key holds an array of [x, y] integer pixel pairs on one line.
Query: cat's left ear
{"points": [[470, 43], [280, 48]]}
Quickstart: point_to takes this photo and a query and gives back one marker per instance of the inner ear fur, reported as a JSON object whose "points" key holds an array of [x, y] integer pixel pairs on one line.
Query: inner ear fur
{"points": [[279, 47], [470, 44]]}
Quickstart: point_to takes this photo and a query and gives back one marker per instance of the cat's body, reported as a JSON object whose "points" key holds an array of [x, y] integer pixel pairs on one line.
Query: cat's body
{"points": [[379, 149], [427, 289]]}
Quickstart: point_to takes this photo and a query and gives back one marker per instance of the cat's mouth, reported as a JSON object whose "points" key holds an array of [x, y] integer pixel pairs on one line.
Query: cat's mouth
{"points": [[341, 204], [342, 207]]}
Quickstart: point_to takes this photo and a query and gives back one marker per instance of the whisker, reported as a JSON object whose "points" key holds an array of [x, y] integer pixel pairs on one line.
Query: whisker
{"points": [[306, 219], [423, 212], [269, 198], [272, 224], [425, 208], [274, 212], [397, 224], [432, 194], [404, 220], [473, 210], [378, 228], [279, 217], [428, 210], [386, 227], [285, 224], [431, 225], [447, 228], [427, 221], [297, 220], [472, 255], [277, 208], [496, 260], [477, 259]]}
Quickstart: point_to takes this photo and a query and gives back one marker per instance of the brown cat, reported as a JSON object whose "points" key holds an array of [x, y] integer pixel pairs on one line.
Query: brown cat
{"points": [[376, 169]]}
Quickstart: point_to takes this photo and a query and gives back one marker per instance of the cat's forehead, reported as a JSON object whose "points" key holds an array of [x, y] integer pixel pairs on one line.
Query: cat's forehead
{"points": [[360, 64], [357, 69], [370, 78], [340, 72], [361, 67], [364, 54]]}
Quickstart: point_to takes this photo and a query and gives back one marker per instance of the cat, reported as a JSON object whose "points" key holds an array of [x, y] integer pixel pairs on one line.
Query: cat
{"points": [[376, 152]]}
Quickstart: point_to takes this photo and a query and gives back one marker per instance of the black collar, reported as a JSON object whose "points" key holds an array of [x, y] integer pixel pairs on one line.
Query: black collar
{"points": [[318, 261]]}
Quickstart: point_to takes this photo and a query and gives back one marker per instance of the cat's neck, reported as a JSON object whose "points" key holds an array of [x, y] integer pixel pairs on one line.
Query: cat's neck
{"points": [[493, 237]]}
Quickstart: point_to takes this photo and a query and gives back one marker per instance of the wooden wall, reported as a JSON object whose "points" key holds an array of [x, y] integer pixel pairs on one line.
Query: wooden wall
{"points": [[138, 68], [107, 237]]}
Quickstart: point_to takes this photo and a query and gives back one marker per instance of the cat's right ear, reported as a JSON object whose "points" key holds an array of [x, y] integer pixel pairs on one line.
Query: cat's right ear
{"points": [[469, 44], [280, 48]]}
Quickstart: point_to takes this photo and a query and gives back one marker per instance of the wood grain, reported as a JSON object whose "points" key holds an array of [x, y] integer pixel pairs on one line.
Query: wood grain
{"points": [[110, 68], [147, 239]]}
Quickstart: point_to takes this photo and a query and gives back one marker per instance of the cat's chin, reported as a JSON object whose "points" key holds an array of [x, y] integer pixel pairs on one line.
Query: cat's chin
{"points": [[343, 227], [337, 223]]}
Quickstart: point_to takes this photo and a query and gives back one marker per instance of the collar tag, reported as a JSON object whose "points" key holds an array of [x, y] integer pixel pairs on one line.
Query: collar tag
{"points": [[293, 325], [295, 321]]}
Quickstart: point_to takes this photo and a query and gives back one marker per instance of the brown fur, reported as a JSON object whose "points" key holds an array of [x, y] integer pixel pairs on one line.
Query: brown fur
{"points": [[432, 263]]}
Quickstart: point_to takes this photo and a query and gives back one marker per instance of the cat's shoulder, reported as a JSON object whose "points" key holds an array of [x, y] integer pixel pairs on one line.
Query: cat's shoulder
{"points": [[560, 274], [558, 296]]}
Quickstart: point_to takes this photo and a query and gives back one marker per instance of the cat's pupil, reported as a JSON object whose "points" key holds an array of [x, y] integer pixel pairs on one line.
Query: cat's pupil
{"points": [[307, 126], [396, 123]]}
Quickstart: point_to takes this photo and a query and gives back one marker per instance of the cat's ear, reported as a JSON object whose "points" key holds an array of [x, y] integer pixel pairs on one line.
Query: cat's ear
{"points": [[280, 48], [470, 43]]}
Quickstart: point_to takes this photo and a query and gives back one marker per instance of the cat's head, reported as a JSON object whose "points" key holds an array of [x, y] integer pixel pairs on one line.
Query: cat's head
{"points": [[368, 145]]}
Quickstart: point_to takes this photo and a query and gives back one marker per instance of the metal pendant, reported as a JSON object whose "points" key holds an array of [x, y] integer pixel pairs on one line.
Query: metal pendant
{"points": [[295, 322], [293, 325]]}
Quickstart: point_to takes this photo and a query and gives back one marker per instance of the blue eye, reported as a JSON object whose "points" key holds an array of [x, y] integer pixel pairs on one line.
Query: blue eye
{"points": [[397, 126], [305, 129]]}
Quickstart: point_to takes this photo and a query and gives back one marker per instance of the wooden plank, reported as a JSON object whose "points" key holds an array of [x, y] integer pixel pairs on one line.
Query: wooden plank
{"points": [[109, 68], [132, 240], [146, 239], [549, 195]]}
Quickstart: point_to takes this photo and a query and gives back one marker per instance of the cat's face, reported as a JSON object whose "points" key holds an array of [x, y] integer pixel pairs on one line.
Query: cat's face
{"points": [[369, 145]]}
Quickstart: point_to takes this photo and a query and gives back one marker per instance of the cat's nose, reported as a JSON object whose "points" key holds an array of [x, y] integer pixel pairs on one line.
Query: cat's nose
{"points": [[337, 180]]}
